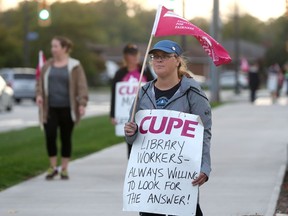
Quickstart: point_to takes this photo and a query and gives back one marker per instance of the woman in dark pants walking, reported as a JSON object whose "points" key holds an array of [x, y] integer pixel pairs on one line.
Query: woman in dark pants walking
{"points": [[254, 81], [62, 96]]}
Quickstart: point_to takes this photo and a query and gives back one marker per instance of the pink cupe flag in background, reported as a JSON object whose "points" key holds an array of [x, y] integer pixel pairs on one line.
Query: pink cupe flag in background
{"points": [[244, 65], [41, 61], [168, 23]]}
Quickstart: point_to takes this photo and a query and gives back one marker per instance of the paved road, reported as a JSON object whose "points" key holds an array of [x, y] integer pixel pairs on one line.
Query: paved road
{"points": [[26, 113]]}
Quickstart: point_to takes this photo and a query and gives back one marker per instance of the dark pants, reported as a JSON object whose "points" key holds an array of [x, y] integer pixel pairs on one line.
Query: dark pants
{"points": [[198, 212], [286, 86], [129, 148], [253, 85], [253, 95], [59, 117]]}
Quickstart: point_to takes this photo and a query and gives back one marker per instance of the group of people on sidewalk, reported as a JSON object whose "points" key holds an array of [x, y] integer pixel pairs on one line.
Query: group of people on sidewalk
{"points": [[62, 95], [277, 78]]}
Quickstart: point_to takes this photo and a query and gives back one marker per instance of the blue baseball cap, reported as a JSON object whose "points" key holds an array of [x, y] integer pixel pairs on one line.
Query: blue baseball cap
{"points": [[167, 46]]}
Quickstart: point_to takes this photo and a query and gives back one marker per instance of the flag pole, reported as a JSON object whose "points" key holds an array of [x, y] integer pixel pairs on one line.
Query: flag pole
{"points": [[40, 109], [156, 21], [41, 61], [140, 79]]}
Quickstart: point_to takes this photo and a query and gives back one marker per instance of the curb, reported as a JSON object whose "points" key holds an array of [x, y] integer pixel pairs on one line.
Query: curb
{"points": [[277, 189]]}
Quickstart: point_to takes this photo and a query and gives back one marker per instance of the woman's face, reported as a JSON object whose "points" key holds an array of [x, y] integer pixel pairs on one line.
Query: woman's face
{"points": [[56, 49], [132, 59], [163, 63]]}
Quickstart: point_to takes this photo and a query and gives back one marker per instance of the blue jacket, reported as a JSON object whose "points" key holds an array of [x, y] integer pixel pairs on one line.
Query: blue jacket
{"points": [[189, 98]]}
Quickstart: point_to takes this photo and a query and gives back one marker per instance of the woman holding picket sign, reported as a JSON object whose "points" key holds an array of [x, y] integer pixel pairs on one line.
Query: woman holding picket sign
{"points": [[130, 70], [174, 89]]}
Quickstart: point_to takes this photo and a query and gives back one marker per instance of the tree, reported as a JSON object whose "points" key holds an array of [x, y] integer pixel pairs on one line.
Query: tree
{"points": [[276, 39], [250, 29], [113, 23]]}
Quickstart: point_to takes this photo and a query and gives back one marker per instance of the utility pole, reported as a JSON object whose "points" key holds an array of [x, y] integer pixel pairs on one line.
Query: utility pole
{"points": [[236, 49], [214, 74], [26, 52], [286, 12]]}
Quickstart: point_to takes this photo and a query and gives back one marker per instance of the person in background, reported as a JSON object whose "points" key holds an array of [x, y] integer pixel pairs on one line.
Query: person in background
{"points": [[285, 68], [62, 95], [174, 89], [274, 74], [131, 69], [254, 81], [280, 82]]}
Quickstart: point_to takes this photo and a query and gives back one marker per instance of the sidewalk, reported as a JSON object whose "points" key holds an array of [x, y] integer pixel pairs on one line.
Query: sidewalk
{"points": [[249, 155], [249, 152]]}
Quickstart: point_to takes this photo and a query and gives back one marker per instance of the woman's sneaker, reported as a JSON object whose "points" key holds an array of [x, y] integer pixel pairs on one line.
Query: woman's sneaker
{"points": [[51, 173], [64, 175]]}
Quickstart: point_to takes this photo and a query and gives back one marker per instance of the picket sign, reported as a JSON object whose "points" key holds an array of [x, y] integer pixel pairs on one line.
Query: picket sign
{"points": [[165, 159], [124, 97]]}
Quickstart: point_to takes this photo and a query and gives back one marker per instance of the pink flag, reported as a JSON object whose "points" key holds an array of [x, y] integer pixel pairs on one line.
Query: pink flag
{"points": [[41, 61], [244, 65], [168, 23]]}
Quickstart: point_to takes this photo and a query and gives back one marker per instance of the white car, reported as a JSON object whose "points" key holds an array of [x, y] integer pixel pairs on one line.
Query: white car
{"points": [[6, 96], [22, 81], [228, 79]]}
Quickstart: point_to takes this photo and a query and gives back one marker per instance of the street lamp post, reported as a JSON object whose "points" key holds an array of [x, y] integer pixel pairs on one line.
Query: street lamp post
{"points": [[214, 74], [26, 55], [236, 49], [286, 11]]}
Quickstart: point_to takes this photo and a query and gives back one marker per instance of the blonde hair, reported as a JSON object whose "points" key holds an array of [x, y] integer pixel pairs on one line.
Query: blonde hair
{"points": [[183, 68]]}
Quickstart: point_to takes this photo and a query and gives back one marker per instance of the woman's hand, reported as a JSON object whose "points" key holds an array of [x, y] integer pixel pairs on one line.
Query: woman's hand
{"points": [[130, 128], [81, 110], [202, 178], [39, 100], [113, 121]]}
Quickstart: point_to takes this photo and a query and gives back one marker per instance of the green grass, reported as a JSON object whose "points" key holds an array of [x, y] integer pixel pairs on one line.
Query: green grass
{"points": [[216, 104], [23, 152]]}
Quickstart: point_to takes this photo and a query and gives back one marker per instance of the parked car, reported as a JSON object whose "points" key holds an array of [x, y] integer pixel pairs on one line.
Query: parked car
{"points": [[22, 81], [6, 96], [227, 79]]}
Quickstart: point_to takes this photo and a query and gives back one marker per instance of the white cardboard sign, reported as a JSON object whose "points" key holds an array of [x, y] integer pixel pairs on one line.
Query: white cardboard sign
{"points": [[165, 159], [124, 97]]}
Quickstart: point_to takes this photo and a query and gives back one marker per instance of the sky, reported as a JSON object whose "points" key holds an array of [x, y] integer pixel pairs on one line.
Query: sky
{"points": [[262, 9]]}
